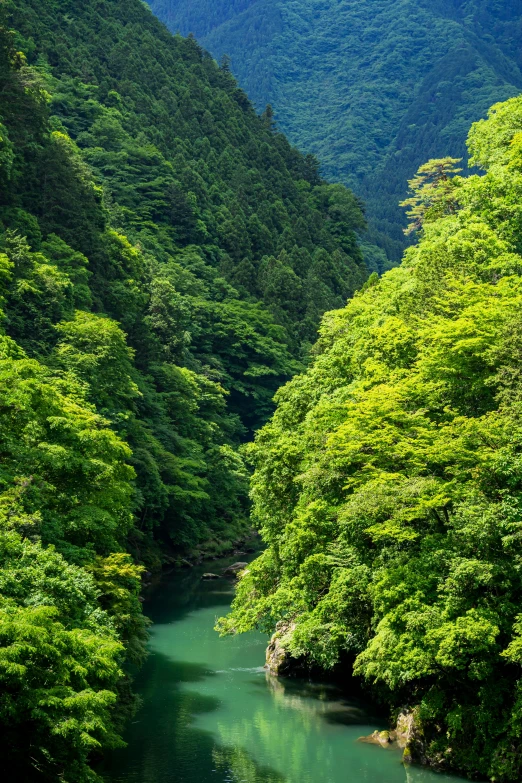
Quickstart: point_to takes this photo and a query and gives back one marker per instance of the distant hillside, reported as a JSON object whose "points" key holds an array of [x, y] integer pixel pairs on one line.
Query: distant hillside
{"points": [[373, 89]]}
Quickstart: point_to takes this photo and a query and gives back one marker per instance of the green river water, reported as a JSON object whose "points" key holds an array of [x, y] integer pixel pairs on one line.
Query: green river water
{"points": [[211, 714]]}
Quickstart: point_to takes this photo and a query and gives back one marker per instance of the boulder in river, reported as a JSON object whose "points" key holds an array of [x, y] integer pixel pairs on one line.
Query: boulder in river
{"points": [[210, 576], [235, 568], [382, 738], [408, 735]]}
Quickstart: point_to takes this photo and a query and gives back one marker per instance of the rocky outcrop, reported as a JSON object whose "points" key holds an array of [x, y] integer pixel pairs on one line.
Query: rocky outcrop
{"points": [[410, 737], [235, 568], [278, 660], [407, 735]]}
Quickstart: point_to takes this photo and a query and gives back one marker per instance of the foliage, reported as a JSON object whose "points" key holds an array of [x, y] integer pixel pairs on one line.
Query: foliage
{"points": [[165, 259], [387, 484], [60, 661], [64, 480], [373, 89], [432, 193], [169, 253]]}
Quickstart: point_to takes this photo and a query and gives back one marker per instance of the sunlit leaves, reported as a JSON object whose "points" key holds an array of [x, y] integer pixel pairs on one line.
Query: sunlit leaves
{"points": [[387, 484]]}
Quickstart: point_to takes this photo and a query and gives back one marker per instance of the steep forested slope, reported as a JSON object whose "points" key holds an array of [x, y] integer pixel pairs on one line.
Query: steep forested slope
{"points": [[165, 257], [388, 483], [372, 88], [179, 213]]}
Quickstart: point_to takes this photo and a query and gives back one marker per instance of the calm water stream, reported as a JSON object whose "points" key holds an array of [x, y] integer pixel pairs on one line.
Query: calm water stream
{"points": [[210, 714]]}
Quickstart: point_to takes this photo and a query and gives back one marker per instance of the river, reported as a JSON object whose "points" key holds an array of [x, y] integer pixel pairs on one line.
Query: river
{"points": [[211, 714]]}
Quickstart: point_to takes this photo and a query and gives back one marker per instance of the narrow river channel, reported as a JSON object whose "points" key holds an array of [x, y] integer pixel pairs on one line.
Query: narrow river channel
{"points": [[210, 714]]}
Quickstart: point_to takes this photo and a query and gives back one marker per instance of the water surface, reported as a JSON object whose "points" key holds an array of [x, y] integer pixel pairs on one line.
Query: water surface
{"points": [[211, 714]]}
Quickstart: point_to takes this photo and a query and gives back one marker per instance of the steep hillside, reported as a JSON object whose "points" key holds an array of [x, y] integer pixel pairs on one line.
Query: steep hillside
{"points": [[388, 484], [165, 257], [372, 89]]}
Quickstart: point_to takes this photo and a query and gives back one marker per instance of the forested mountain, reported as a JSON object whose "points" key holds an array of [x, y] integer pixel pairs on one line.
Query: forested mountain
{"points": [[388, 484], [165, 257], [372, 88]]}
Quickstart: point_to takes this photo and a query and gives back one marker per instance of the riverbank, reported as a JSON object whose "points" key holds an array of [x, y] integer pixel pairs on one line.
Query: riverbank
{"points": [[246, 544]]}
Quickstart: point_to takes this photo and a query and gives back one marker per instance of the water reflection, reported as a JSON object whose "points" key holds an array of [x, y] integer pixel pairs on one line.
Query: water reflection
{"points": [[321, 701], [308, 734], [236, 764]]}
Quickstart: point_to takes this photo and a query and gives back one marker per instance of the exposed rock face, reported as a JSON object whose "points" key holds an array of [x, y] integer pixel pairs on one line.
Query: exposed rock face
{"points": [[410, 737], [278, 660]]}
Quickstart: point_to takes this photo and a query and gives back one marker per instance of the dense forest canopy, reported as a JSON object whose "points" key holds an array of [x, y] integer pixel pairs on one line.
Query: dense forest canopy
{"points": [[165, 258], [372, 88], [388, 483]]}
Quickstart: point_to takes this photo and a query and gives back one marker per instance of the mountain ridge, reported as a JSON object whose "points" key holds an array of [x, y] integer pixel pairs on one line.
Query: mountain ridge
{"points": [[372, 90]]}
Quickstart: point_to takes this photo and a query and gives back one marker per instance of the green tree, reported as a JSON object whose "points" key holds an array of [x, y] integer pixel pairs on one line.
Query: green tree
{"points": [[433, 189]]}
